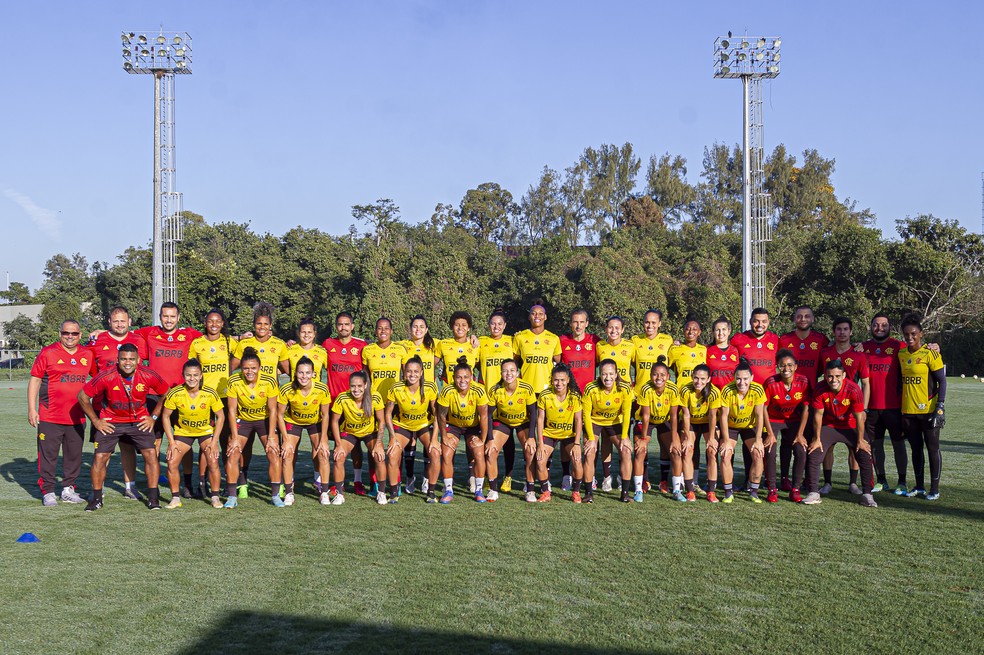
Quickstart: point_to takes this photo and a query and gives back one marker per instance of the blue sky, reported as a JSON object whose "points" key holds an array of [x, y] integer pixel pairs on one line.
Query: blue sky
{"points": [[297, 111]]}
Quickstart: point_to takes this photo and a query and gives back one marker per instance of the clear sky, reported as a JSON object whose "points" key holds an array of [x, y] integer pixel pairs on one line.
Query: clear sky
{"points": [[298, 110]]}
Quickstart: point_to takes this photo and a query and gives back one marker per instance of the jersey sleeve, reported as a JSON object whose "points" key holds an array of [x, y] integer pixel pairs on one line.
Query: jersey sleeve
{"points": [[216, 403], [171, 400], [377, 402]]}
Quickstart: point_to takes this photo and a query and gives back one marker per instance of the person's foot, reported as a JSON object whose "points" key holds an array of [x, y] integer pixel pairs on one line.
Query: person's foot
{"points": [[471, 484], [480, 497], [506, 485], [411, 484], [638, 496], [576, 497], [447, 497], [424, 486], [199, 492], [712, 497], [69, 495], [154, 504], [50, 499], [492, 496], [933, 495], [918, 491], [530, 497], [691, 496], [216, 502], [826, 489], [277, 500], [812, 498], [393, 500], [727, 500], [854, 489], [186, 493], [242, 491], [901, 490], [544, 497], [589, 496], [754, 497], [606, 483], [94, 504], [289, 499], [380, 497], [625, 496], [646, 486], [231, 503], [679, 497], [359, 489], [339, 499], [773, 496], [431, 499], [324, 498], [795, 496], [879, 487], [664, 487], [131, 494], [785, 484], [867, 500], [566, 483], [175, 503]]}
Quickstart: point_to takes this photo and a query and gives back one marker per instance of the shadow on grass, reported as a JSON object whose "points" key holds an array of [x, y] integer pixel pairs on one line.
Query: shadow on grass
{"points": [[963, 447], [247, 632], [941, 508]]}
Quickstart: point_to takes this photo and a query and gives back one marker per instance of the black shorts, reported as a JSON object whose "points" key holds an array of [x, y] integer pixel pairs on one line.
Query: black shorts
{"points": [[503, 428], [741, 434], [249, 429], [879, 421], [609, 431], [465, 434], [411, 435], [128, 433], [296, 430], [190, 441]]}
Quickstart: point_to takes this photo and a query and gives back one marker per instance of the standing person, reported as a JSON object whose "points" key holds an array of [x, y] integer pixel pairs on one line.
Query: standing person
{"points": [[558, 426], [57, 376], [806, 344], [462, 414], [722, 357], [409, 415], [788, 410], [383, 360], [758, 346], [305, 347], [194, 407], [700, 401], [658, 405], [344, 354], [450, 351], [538, 348], [923, 395], [512, 408], [122, 395], [421, 344], [252, 407], [303, 405], [686, 356], [622, 353], [856, 368], [356, 415], [270, 350], [743, 420], [649, 347], [606, 406], [493, 351], [577, 349], [214, 350], [885, 402], [838, 417]]}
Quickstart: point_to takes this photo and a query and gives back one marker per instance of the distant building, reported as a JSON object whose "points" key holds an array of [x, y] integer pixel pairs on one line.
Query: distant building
{"points": [[10, 312]]}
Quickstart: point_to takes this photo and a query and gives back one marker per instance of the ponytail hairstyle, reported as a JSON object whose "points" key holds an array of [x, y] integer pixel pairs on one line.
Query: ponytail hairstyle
{"points": [[462, 365], [743, 365], [661, 362], [301, 362], [604, 363], [415, 359], [561, 367], [249, 354], [500, 312], [367, 394], [428, 342], [706, 391]]}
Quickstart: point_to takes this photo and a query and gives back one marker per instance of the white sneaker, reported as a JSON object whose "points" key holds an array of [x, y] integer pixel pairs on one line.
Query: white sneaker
{"points": [[492, 496], [471, 484], [339, 499], [606, 484], [425, 486], [289, 499], [531, 496], [411, 484], [594, 483], [69, 495], [325, 498], [566, 483], [50, 500], [381, 498], [826, 489], [812, 498]]}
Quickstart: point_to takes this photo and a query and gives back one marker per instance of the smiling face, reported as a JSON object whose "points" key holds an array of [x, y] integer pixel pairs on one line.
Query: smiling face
{"points": [[119, 323], [497, 325], [357, 387], [460, 329], [803, 318], [304, 375], [305, 334], [384, 331], [462, 379], [834, 378], [214, 324], [418, 329], [192, 377], [126, 361], [912, 336], [787, 368], [509, 372], [651, 323], [608, 374], [659, 375], [250, 368], [412, 373], [691, 332], [881, 327], [560, 381], [743, 381], [538, 318], [700, 379], [613, 330], [70, 335], [579, 325], [722, 332], [262, 327], [759, 324], [169, 318]]}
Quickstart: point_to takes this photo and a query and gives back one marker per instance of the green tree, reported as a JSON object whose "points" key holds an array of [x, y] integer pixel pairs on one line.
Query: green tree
{"points": [[17, 294], [488, 212], [666, 184], [382, 215]]}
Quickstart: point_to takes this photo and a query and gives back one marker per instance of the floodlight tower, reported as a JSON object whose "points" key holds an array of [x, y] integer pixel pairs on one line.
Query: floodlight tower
{"points": [[162, 55], [751, 58]]}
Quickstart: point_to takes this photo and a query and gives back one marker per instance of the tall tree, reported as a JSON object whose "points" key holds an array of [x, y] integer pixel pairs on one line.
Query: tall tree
{"points": [[488, 212], [382, 215], [666, 184], [17, 294]]}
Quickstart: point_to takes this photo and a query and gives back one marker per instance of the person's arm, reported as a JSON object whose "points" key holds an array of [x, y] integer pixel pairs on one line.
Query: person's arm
{"points": [[484, 420], [804, 421], [325, 428], [866, 391], [489, 410], [33, 387], [378, 451], [758, 427], [273, 417], [626, 416], [388, 419], [817, 425], [541, 423], [284, 366], [442, 421], [674, 432], [104, 427], [168, 431], [587, 407], [863, 444], [213, 451]]}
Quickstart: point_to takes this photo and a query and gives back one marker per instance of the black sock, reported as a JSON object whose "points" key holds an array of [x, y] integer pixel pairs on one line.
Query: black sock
{"points": [[566, 466], [626, 484], [544, 487], [187, 480], [97, 495], [688, 485], [577, 486], [242, 477], [408, 459], [854, 477], [509, 455], [727, 489], [494, 484], [289, 487], [827, 475], [153, 495], [275, 488], [231, 489], [394, 489]]}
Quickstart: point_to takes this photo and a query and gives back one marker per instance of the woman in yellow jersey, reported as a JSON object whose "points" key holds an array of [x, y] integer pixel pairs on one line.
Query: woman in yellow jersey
{"points": [[622, 352], [303, 405], [213, 349], [742, 417], [305, 347], [269, 348], [558, 426], [685, 356], [252, 412], [923, 394], [450, 351], [512, 408], [195, 406], [358, 413], [700, 401], [538, 349], [493, 352], [462, 414], [607, 412], [384, 358], [421, 344], [649, 346], [658, 405], [410, 412]]}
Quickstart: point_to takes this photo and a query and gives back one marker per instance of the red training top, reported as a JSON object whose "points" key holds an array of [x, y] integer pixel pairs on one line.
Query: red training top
{"points": [[105, 347], [839, 408], [722, 362], [62, 375], [855, 363], [580, 357], [886, 377], [787, 404], [124, 400], [807, 353], [759, 351], [344, 359], [167, 353]]}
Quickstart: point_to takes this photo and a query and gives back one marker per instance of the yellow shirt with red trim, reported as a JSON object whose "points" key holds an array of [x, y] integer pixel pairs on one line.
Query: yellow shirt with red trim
{"points": [[450, 350], [605, 408], [251, 402], [412, 408], [623, 354], [491, 354], [741, 411], [647, 351], [426, 356], [684, 359], [214, 357], [512, 409], [270, 352], [192, 417], [537, 352], [315, 353], [558, 415], [698, 406], [354, 420], [918, 388], [463, 411], [304, 409], [660, 404], [384, 365]]}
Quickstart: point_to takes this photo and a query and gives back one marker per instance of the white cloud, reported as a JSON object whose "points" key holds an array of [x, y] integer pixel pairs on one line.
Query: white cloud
{"points": [[46, 219]]}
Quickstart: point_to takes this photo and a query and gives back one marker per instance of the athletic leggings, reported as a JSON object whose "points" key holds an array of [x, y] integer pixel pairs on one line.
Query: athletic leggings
{"points": [[918, 432], [875, 426], [786, 432]]}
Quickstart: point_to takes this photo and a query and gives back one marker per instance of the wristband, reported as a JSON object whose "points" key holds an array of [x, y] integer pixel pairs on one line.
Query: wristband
{"points": [[153, 416]]}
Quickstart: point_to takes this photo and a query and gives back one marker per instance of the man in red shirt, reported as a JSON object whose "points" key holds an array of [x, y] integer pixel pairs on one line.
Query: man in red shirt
{"points": [[838, 417], [885, 401], [344, 359], [758, 346], [805, 344], [577, 349], [58, 374], [123, 417]]}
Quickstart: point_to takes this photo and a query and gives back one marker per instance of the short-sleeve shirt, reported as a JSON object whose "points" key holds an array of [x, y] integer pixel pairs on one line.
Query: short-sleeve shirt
{"points": [[684, 359], [607, 408], [167, 353], [855, 363], [807, 353], [214, 358], [623, 354], [579, 357], [384, 365], [787, 404], [759, 351], [885, 383], [647, 351], [558, 416], [537, 352], [303, 409], [838, 407], [192, 417], [105, 348], [660, 403], [699, 406], [450, 350], [354, 420], [412, 409], [741, 411], [270, 353], [124, 400], [426, 356], [722, 362], [251, 402], [344, 359], [918, 385], [317, 354], [63, 375], [491, 354], [463, 411], [512, 409]]}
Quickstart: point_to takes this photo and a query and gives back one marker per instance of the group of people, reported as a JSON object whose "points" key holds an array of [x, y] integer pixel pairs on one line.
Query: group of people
{"points": [[783, 401]]}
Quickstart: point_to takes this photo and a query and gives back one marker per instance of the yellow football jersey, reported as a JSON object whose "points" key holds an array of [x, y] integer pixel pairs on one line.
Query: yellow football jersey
{"points": [[384, 365], [741, 411], [558, 415], [605, 408], [537, 352], [463, 412], [354, 420], [450, 350], [698, 406], [251, 402], [192, 417], [623, 354], [412, 409], [647, 351], [513, 408], [214, 357], [660, 404], [684, 359], [304, 409], [491, 354], [315, 353], [270, 352], [426, 355], [917, 381]]}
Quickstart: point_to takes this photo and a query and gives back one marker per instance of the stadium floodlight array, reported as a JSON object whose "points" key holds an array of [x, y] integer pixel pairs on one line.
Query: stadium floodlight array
{"points": [[165, 52], [756, 56]]}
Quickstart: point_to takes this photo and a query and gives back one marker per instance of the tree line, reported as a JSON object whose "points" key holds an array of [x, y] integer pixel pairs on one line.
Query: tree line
{"points": [[606, 234]]}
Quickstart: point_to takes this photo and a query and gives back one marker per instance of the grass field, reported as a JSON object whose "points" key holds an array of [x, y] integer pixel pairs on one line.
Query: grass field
{"points": [[660, 577]]}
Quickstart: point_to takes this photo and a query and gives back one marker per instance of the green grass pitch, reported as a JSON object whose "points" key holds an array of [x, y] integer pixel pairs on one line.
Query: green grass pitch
{"points": [[659, 577]]}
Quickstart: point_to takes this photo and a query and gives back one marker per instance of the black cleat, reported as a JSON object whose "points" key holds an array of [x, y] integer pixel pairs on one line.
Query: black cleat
{"points": [[153, 504], [94, 504]]}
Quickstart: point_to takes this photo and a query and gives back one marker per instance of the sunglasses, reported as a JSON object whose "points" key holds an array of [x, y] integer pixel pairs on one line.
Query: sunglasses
{"points": [[70, 334]]}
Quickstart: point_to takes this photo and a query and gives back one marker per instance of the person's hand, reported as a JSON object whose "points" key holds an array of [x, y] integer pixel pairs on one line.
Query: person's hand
{"points": [[816, 445], [938, 418], [32, 417], [146, 424], [590, 447], [103, 426], [530, 446]]}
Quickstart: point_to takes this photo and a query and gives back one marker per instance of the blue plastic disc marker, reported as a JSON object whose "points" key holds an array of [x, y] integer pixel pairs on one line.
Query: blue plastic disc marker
{"points": [[28, 538]]}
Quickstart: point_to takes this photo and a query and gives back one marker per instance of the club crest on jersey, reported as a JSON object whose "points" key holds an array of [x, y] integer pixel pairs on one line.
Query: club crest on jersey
{"points": [[170, 338], [814, 346], [181, 337], [587, 346], [770, 346], [536, 342], [888, 351], [355, 351], [798, 395], [74, 362], [140, 386], [212, 349], [578, 348], [846, 402]]}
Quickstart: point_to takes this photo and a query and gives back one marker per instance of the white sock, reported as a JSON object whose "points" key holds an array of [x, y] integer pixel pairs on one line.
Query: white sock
{"points": [[317, 477], [357, 474], [677, 482], [129, 486], [637, 481], [479, 483], [448, 483]]}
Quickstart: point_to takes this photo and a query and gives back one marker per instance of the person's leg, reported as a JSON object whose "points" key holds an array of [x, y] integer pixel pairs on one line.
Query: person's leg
{"points": [[932, 438], [49, 445], [72, 445]]}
